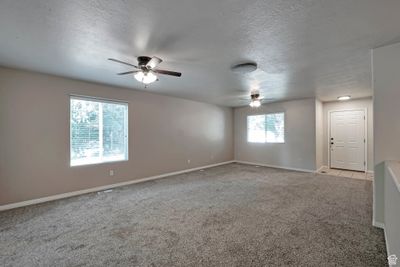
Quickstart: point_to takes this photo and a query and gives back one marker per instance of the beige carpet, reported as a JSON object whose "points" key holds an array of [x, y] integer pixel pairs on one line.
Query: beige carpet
{"points": [[232, 215]]}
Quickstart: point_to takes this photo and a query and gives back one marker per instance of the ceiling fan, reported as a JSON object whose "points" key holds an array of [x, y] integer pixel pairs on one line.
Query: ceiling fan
{"points": [[146, 69], [256, 100]]}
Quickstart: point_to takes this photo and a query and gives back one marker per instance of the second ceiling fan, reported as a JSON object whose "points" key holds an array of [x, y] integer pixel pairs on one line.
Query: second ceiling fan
{"points": [[146, 69]]}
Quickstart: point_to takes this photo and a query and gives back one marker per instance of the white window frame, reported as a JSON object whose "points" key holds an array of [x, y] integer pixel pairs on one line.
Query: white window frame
{"points": [[265, 141], [101, 100]]}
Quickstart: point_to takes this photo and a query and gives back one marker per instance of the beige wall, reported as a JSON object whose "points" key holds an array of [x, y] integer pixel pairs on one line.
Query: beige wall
{"points": [[392, 207], [386, 76], [164, 132], [344, 105], [299, 149], [319, 133]]}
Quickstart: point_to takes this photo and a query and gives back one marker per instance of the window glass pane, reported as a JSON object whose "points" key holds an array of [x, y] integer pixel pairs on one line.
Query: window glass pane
{"points": [[84, 130], [275, 125], [114, 131], [98, 131], [256, 129]]}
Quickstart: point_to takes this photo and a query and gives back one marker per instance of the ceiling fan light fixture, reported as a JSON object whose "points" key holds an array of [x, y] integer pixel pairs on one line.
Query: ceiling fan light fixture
{"points": [[146, 77], [145, 71], [255, 103], [345, 97]]}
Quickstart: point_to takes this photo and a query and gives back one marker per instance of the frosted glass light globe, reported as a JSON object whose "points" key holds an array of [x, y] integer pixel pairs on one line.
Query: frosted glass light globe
{"points": [[145, 77], [255, 103]]}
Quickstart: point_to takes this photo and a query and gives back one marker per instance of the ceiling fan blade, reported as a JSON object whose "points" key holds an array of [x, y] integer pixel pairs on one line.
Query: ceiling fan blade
{"points": [[128, 72], [267, 100], [167, 72], [153, 62], [125, 63]]}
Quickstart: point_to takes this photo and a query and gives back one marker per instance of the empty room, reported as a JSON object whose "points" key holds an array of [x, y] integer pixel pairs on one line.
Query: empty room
{"points": [[199, 133]]}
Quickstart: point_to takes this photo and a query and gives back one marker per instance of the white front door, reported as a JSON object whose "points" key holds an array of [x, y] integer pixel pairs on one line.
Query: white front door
{"points": [[347, 140]]}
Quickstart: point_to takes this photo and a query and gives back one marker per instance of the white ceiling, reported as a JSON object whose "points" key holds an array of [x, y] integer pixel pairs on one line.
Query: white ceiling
{"points": [[304, 48]]}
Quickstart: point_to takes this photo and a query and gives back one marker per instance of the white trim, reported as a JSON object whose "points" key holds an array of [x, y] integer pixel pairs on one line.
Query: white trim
{"points": [[101, 130], [265, 115], [373, 132], [388, 252], [365, 134], [105, 187], [321, 168], [382, 226], [126, 133], [386, 242], [378, 224], [274, 166], [99, 99]]}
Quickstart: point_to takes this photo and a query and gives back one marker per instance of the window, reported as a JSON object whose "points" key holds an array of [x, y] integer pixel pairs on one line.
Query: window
{"points": [[268, 128], [99, 131], [275, 124], [256, 129]]}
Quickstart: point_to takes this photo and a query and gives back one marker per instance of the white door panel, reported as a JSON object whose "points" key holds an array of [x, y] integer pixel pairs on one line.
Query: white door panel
{"points": [[347, 135]]}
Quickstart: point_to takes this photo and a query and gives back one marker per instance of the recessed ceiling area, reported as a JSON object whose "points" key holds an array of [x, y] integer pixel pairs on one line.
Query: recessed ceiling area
{"points": [[302, 48]]}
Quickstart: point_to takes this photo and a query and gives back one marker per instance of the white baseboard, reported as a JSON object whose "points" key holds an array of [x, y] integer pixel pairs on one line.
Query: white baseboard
{"points": [[321, 168], [378, 224], [274, 166], [382, 226], [102, 188], [388, 252]]}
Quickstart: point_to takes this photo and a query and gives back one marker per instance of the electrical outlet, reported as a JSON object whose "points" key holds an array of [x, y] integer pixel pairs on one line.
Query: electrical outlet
{"points": [[188, 161], [111, 172]]}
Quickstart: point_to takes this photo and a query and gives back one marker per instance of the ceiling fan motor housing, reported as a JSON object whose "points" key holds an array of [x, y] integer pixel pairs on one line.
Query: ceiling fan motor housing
{"points": [[143, 60]]}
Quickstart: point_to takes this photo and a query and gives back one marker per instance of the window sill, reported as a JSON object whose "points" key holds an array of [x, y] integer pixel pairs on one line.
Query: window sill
{"points": [[96, 162]]}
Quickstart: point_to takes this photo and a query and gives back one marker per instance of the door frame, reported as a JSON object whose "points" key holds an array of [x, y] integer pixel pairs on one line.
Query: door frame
{"points": [[365, 134]]}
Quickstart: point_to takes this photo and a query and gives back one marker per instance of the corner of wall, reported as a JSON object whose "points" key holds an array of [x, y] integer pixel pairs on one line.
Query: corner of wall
{"points": [[319, 133]]}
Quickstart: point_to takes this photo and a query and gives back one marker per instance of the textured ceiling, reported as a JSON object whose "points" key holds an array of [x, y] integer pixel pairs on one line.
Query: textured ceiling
{"points": [[304, 48]]}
